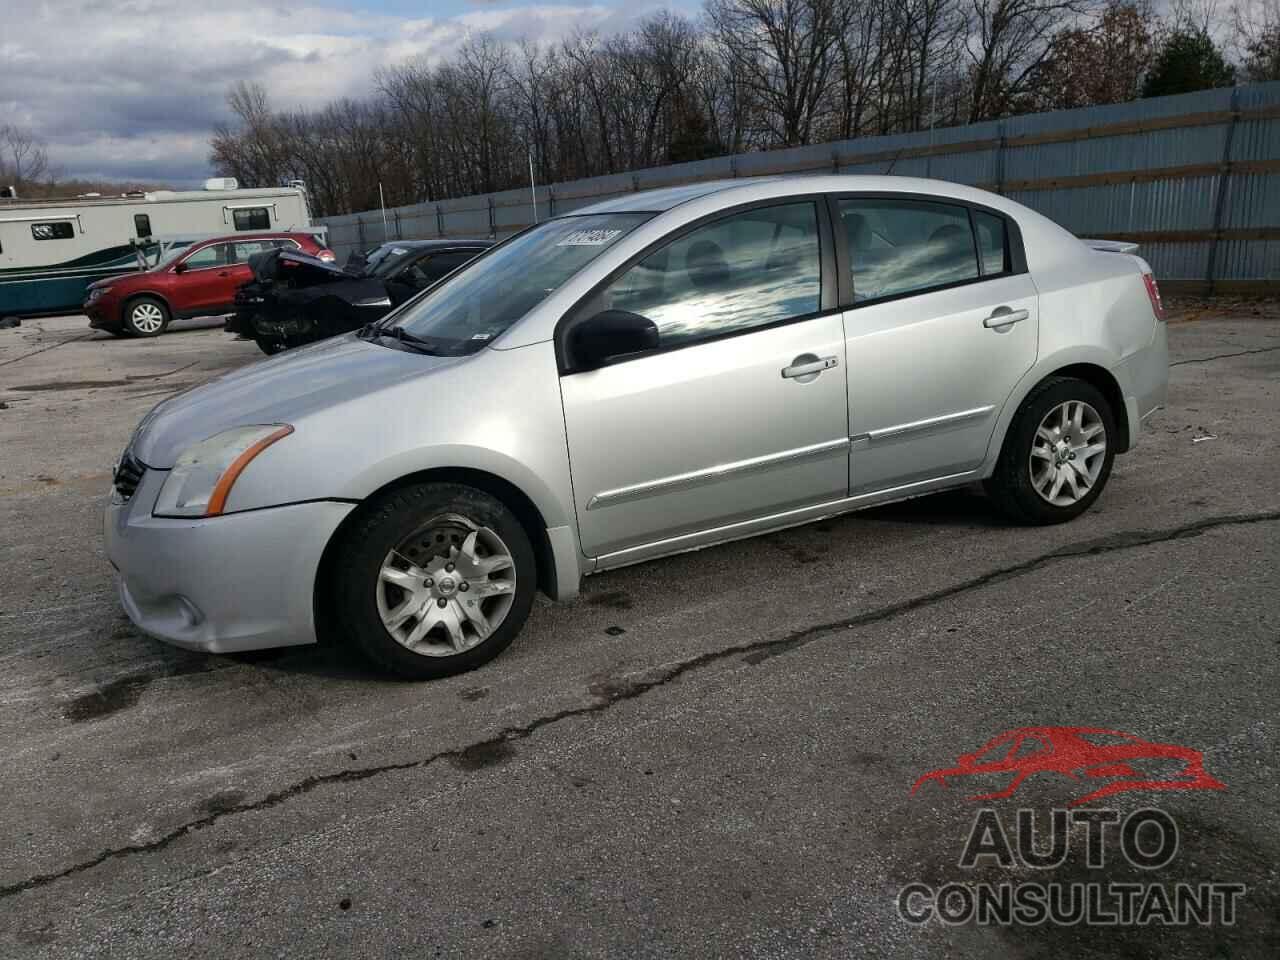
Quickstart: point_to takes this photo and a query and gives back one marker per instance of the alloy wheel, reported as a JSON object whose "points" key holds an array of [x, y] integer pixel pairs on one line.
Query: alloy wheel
{"points": [[446, 587], [146, 317], [1067, 453]]}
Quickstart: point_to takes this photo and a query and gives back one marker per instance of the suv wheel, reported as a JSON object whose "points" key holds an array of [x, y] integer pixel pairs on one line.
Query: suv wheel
{"points": [[1057, 455], [145, 317], [436, 579]]}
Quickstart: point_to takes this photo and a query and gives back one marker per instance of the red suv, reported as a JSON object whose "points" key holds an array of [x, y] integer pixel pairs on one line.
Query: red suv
{"points": [[199, 280]]}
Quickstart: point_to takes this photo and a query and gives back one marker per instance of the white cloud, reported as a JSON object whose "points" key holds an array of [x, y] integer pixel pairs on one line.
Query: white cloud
{"points": [[131, 89]]}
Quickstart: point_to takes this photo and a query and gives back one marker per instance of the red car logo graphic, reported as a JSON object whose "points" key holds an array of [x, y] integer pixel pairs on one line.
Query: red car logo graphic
{"points": [[1077, 752]]}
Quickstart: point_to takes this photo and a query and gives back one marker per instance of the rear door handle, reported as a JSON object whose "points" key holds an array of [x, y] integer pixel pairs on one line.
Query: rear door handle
{"points": [[807, 365], [1003, 316]]}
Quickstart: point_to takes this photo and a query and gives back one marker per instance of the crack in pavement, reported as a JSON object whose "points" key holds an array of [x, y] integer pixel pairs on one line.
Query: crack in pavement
{"points": [[1223, 356], [474, 755], [52, 346]]}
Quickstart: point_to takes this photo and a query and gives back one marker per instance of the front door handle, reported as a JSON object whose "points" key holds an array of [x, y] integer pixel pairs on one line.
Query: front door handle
{"points": [[1003, 316], [807, 366]]}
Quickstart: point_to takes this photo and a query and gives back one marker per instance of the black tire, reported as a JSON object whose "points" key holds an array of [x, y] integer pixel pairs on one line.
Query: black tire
{"points": [[1010, 487], [270, 345], [382, 527], [139, 305]]}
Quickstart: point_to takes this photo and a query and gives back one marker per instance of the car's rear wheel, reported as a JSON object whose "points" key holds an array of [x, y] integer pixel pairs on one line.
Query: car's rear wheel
{"points": [[435, 579], [145, 317], [1057, 455]]}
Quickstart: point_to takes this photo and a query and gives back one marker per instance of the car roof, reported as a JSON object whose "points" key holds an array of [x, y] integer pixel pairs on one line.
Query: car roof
{"points": [[427, 244], [255, 235], [655, 201]]}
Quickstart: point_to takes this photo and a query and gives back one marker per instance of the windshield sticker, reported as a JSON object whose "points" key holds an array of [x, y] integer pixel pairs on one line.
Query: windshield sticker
{"points": [[588, 238], [399, 251]]}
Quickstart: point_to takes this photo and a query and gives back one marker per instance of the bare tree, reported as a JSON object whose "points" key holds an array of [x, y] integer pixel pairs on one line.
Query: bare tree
{"points": [[1008, 42], [1257, 38], [24, 161], [784, 51], [1100, 63]]}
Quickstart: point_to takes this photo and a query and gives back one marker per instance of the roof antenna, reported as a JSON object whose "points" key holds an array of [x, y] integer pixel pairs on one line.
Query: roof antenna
{"points": [[893, 161]]}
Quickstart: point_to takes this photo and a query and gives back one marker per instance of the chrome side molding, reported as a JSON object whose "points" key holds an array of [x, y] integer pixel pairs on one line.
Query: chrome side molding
{"points": [[695, 478], [917, 426]]}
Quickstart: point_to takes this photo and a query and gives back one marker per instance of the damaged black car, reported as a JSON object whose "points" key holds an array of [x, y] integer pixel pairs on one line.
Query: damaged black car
{"points": [[295, 299]]}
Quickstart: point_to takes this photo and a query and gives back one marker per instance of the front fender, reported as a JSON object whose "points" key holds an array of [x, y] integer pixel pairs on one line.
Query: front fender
{"points": [[553, 505], [498, 412]]}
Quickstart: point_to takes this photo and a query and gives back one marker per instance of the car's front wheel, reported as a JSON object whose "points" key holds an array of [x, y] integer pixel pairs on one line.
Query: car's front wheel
{"points": [[1057, 454], [270, 344], [435, 579], [145, 317]]}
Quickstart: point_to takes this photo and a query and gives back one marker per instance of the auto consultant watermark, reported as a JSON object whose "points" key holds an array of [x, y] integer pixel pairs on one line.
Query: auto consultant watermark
{"points": [[1021, 844]]}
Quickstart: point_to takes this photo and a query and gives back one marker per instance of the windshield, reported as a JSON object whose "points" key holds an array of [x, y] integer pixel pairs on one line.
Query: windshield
{"points": [[478, 303]]}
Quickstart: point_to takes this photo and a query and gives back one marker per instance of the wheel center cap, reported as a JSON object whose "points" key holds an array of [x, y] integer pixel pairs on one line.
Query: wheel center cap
{"points": [[446, 586]]}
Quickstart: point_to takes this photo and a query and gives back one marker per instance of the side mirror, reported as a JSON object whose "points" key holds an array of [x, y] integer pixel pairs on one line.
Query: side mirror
{"points": [[609, 335], [180, 266]]}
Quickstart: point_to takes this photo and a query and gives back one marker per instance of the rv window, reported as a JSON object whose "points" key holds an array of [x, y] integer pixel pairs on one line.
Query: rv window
{"points": [[142, 224], [63, 230], [252, 218]]}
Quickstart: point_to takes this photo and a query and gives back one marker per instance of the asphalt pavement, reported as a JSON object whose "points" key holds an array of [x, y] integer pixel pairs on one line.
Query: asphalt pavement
{"points": [[708, 755]]}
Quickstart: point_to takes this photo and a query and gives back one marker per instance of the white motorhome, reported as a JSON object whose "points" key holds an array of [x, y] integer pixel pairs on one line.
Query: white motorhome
{"points": [[50, 250]]}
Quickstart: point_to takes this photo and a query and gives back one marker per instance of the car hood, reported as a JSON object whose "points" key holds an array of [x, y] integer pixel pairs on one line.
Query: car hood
{"points": [[284, 389], [112, 281]]}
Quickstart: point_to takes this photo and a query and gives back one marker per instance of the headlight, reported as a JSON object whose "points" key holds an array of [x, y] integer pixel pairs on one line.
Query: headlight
{"points": [[96, 292], [200, 481]]}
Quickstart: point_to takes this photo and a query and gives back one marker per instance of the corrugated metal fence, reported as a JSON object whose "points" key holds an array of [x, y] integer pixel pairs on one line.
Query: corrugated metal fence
{"points": [[1194, 178]]}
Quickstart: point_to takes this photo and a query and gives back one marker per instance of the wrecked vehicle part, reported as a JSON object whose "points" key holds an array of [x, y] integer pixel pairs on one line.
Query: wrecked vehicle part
{"points": [[294, 300]]}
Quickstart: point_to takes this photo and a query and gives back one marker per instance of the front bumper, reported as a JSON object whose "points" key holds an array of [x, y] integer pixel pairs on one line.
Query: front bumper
{"points": [[102, 314], [242, 581]]}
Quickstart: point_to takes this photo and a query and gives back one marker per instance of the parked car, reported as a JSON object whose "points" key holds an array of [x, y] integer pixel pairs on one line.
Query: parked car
{"points": [[198, 280], [295, 299], [648, 375]]}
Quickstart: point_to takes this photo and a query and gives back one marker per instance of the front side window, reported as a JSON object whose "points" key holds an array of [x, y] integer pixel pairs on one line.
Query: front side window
{"points": [[906, 246], [475, 305], [748, 270], [251, 218], [214, 255], [61, 230]]}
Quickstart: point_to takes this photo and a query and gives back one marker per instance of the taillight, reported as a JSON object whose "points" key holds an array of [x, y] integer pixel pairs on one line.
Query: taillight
{"points": [[1153, 294], [327, 254]]}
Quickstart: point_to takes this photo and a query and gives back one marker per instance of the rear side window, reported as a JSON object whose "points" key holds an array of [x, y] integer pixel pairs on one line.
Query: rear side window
{"points": [[243, 251], [142, 225], [251, 218], [898, 247], [993, 244], [748, 270], [62, 230]]}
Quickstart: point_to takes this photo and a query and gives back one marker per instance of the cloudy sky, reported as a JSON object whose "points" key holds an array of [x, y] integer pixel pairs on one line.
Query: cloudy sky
{"points": [[131, 89]]}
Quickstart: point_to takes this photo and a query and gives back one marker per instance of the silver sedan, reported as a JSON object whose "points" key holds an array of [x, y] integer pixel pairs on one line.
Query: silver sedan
{"points": [[648, 375]]}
